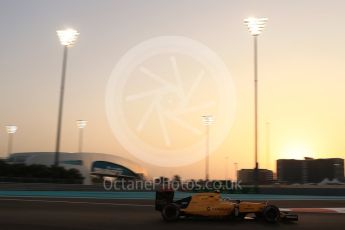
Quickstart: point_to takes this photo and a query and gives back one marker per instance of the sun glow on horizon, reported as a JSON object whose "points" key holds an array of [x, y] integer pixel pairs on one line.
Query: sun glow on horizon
{"points": [[296, 150]]}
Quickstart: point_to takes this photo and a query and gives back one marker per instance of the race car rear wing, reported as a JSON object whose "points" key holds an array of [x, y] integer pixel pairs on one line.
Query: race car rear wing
{"points": [[163, 198]]}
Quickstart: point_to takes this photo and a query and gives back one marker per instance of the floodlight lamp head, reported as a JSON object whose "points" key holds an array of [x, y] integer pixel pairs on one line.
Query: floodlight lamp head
{"points": [[67, 37], [81, 124], [11, 129], [208, 119], [255, 25]]}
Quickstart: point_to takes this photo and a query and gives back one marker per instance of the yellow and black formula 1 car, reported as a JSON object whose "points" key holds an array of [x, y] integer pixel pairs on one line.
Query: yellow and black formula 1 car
{"points": [[212, 205]]}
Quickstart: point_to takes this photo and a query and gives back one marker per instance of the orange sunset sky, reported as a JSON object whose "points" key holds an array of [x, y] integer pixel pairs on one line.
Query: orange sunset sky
{"points": [[301, 79]]}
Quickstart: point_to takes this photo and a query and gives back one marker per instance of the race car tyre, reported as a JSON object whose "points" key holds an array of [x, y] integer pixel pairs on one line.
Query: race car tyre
{"points": [[171, 212], [271, 214]]}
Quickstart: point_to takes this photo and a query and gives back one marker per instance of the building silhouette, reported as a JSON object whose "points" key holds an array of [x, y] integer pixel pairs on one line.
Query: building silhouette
{"points": [[90, 165], [247, 176], [309, 170]]}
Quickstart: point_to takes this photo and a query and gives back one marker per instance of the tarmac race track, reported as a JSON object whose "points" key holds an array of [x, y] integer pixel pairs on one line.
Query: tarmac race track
{"points": [[58, 213]]}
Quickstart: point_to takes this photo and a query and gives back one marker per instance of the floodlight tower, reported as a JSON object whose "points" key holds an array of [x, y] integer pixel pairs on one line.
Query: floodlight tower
{"points": [[11, 130], [67, 38], [255, 27], [81, 124], [236, 171], [208, 120]]}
